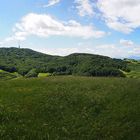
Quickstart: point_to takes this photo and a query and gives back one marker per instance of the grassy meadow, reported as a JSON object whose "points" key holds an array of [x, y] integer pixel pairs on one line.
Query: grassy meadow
{"points": [[7, 75], [134, 66], [70, 108]]}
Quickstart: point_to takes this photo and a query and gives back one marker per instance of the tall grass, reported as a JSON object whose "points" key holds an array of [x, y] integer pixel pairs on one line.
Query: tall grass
{"points": [[70, 108]]}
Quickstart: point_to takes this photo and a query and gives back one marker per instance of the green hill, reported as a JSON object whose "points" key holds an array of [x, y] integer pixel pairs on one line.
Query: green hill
{"points": [[7, 75], [134, 66], [70, 108], [24, 60]]}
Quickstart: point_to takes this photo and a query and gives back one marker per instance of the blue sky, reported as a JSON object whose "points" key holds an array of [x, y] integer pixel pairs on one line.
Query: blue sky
{"points": [[61, 27]]}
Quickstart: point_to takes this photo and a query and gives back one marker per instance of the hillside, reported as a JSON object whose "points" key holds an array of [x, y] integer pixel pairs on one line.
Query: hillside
{"points": [[70, 108], [7, 75], [24, 60], [134, 66]]}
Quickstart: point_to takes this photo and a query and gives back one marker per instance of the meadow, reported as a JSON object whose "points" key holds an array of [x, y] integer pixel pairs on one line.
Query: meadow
{"points": [[70, 108], [134, 66]]}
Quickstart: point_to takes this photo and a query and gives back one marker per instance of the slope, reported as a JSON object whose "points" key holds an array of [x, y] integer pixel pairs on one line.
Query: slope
{"points": [[23, 60]]}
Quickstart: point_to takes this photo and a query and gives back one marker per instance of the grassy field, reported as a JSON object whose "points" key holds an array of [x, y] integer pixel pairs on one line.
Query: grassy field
{"points": [[44, 75], [7, 76], [135, 69], [70, 108]]}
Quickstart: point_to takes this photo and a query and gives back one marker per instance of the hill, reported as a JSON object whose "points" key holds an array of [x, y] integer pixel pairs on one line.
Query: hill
{"points": [[7, 75], [70, 108], [24, 60], [134, 66]]}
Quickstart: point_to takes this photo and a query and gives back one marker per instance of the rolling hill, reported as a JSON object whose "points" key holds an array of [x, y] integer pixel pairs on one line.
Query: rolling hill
{"points": [[67, 107], [7, 75], [134, 66], [26, 60]]}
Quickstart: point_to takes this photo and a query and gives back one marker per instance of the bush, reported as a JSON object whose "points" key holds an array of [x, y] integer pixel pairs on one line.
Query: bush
{"points": [[31, 73], [8, 68]]}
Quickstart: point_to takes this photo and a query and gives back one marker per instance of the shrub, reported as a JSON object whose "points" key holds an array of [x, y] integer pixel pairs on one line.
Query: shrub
{"points": [[31, 73]]}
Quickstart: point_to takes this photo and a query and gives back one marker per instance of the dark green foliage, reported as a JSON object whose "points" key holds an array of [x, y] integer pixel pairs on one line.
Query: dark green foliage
{"points": [[8, 68], [24, 60], [70, 108]]}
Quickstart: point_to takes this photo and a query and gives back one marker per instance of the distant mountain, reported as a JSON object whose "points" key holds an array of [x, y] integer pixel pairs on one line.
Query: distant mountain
{"points": [[25, 60], [135, 57]]}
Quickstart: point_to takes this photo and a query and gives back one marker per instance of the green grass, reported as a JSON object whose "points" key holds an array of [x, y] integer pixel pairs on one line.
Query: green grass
{"points": [[70, 108], [44, 74], [1, 70], [133, 74], [7, 76], [134, 66]]}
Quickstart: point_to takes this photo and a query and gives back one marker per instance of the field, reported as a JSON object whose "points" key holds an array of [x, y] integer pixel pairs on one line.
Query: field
{"points": [[7, 75], [135, 69], [70, 108]]}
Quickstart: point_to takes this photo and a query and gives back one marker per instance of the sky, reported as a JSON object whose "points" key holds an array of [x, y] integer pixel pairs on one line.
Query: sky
{"points": [[62, 27]]}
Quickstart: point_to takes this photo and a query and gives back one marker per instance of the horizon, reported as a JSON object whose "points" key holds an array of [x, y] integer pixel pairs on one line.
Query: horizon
{"points": [[131, 58], [58, 27]]}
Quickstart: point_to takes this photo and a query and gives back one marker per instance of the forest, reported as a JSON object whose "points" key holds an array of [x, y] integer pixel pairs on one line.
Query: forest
{"points": [[30, 63]]}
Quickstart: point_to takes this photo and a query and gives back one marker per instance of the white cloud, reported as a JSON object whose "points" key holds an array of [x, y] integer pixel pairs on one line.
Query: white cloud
{"points": [[1, 43], [84, 7], [111, 50], [121, 15], [43, 25], [59, 51], [18, 36], [127, 43], [135, 52], [51, 3], [115, 51]]}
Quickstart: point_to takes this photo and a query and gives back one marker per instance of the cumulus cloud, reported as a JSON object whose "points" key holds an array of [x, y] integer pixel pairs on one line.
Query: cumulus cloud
{"points": [[18, 36], [111, 50], [59, 51], [43, 25], [116, 51], [51, 3], [84, 7], [127, 43], [121, 15]]}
